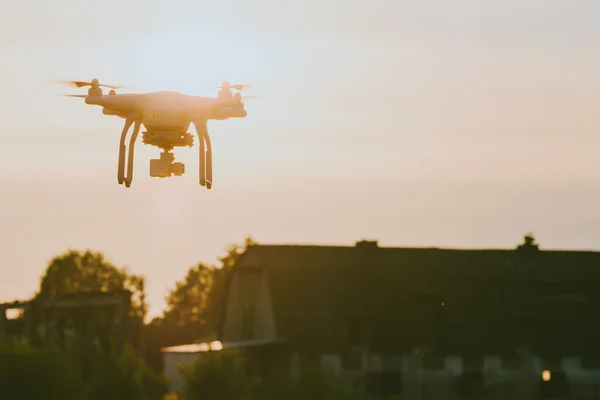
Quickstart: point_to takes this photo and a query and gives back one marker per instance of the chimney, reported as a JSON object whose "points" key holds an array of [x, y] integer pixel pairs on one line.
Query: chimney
{"points": [[367, 244], [528, 244]]}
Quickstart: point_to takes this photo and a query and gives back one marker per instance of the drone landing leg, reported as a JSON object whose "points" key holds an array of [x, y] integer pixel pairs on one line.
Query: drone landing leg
{"points": [[122, 148], [201, 127], [202, 161], [136, 131], [208, 160]]}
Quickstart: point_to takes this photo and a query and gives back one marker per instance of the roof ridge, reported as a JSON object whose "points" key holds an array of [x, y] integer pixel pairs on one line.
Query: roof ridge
{"points": [[421, 248]]}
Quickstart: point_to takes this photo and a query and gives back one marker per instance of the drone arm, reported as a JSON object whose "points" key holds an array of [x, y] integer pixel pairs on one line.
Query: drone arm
{"points": [[136, 131], [121, 168]]}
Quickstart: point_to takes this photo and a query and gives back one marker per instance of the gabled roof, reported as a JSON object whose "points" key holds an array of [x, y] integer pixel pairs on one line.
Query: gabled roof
{"points": [[458, 299]]}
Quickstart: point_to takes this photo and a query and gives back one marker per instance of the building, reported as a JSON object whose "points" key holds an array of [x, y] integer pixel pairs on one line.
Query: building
{"points": [[96, 319], [419, 321]]}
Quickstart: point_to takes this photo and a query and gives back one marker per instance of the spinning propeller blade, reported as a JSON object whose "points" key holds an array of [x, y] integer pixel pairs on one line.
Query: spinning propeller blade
{"points": [[240, 87], [81, 96], [236, 87], [80, 84]]}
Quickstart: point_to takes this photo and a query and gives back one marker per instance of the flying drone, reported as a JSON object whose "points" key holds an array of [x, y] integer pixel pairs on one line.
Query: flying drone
{"points": [[166, 117]]}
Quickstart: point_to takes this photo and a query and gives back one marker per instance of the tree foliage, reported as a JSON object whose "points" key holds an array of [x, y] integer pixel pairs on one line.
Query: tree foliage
{"points": [[199, 297], [186, 303], [194, 306], [88, 271], [225, 375], [217, 375], [50, 373], [233, 252], [124, 376], [29, 373]]}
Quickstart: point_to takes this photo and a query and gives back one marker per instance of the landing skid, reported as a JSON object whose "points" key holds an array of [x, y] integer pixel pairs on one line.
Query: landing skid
{"points": [[205, 152], [122, 149]]}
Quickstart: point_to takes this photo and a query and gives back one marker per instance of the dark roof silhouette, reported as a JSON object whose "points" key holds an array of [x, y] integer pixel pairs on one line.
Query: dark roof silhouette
{"points": [[90, 298], [455, 301]]}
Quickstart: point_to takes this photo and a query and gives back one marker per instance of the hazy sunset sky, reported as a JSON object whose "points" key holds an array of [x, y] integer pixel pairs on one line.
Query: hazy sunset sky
{"points": [[416, 123]]}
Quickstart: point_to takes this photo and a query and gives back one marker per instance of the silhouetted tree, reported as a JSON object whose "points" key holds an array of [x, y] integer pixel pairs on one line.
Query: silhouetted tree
{"points": [[217, 375], [76, 272], [186, 303], [199, 297], [124, 376], [29, 373]]}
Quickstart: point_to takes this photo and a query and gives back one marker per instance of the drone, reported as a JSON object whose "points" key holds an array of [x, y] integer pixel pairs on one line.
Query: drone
{"points": [[166, 117]]}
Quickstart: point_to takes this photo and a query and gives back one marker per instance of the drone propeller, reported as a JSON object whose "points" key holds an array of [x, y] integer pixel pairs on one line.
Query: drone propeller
{"points": [[80, 84], [83, 96], [240, 87], [226, 85]]}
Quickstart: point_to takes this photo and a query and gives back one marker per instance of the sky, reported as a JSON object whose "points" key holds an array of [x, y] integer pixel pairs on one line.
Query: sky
{"points": [[414, 123]]}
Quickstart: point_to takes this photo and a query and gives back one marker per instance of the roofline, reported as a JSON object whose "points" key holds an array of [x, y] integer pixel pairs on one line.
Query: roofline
{"points": [[472, 249]]}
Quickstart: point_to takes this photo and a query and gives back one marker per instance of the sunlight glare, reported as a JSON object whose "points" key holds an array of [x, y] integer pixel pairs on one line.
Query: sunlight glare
{"points": [[193, 58], [14, 313], [203, 347], [169, 201], [216, 346]]}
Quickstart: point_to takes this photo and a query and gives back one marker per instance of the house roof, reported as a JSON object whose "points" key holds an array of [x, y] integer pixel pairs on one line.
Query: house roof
{"points": [[480, 301], [87, 299]]}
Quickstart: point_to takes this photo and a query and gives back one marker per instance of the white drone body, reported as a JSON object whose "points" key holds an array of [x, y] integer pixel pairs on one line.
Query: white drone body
{"points": [[166, 117]]}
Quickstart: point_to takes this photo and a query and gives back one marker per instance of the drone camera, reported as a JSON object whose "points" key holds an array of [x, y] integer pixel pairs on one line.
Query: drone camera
{"points": [[164, 167], [178, 168], [159, 168]]}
